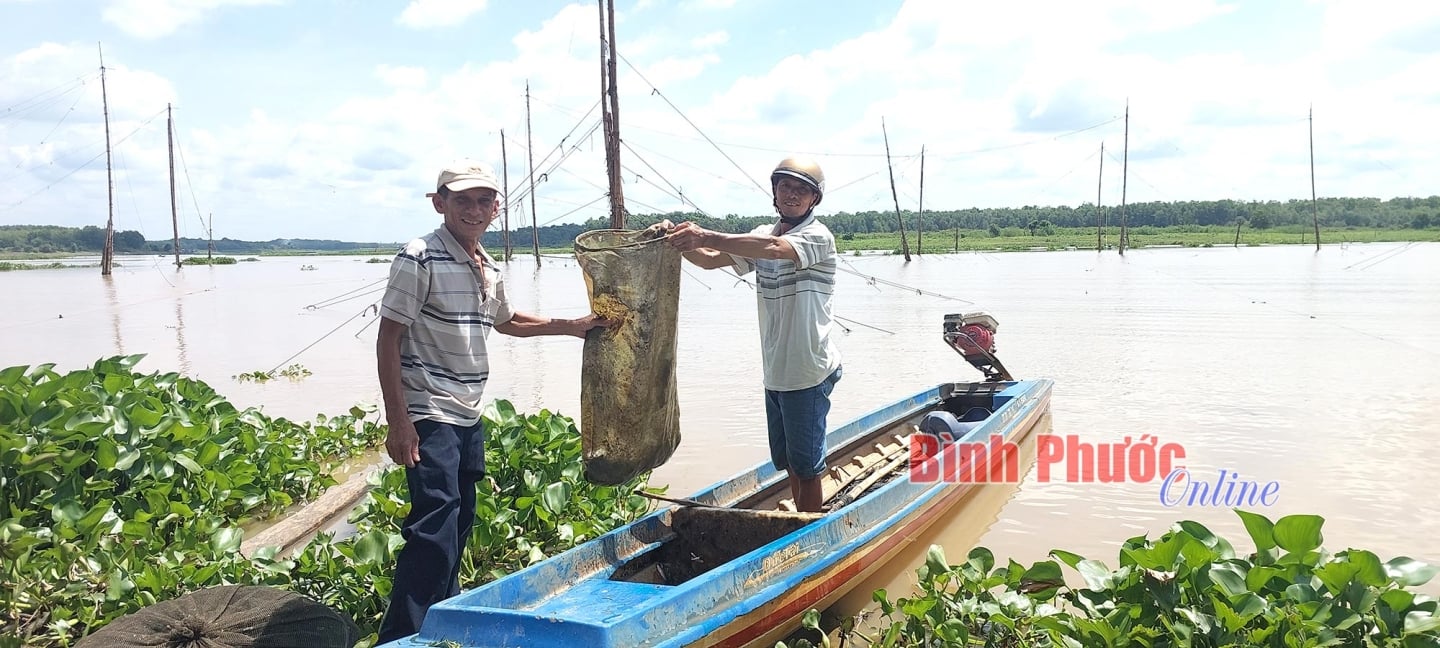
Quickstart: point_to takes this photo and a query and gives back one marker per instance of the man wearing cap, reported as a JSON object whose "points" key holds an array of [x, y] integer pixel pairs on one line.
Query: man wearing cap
{"points": [[794, 261], [444, 296]]}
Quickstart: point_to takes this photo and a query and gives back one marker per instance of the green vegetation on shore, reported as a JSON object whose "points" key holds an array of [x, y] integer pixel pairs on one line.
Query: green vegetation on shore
{"points": [[1398, 217], [1188, 587], [120, 489], [1010, 239]]}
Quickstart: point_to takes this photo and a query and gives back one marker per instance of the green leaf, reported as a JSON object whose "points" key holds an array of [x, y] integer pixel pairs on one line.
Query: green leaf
{"points": [[555, 497], [983, 559], [11, 375], [1299, 533], [1408, 572], [146, 412], [1369, 570], [1421, 623], [1226, 616], [189, 464], [1230, 579], [1398, 600], [106, 454], [118, 586], [917, 607], [113, 383], [1043, 575], [1096, 575], [371, 547], [226, 539], [1261, 530], [1301, 593], [1069, 558], [67, 512], [1336, 574], [127, 459], [42, 392], [209, 453], [935, 561], [1248, 606]]}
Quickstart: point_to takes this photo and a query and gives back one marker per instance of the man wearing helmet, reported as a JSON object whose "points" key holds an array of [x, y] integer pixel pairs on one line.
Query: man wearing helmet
{"points": [[794, 260]]}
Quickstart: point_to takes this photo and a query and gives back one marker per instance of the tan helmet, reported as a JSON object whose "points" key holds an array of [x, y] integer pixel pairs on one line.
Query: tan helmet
{"points": [[804, 169]]}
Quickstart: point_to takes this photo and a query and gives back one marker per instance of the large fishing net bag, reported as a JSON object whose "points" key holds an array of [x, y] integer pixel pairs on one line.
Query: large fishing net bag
{"points": [[229, 616], [630, 417]]}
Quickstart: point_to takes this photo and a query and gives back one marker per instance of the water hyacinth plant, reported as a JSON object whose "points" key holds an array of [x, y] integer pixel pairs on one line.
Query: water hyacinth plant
{"points": [[120, 489], [1187, 588]]}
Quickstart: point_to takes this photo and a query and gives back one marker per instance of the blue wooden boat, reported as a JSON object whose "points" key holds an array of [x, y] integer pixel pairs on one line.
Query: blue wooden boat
{"points": [[735, 567]]}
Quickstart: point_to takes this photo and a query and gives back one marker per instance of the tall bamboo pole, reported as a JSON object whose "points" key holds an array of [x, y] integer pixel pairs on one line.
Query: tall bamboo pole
{"points": [[904, 240], [1314, 205], [1100, 215], [530, 155], [174, 218], [920, 219], [1125, 181], [107, 253], [610, 113], [505, 171]]}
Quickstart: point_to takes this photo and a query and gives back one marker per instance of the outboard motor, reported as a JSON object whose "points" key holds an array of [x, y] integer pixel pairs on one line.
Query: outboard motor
{"points": [[945, 425], [972, 335]]}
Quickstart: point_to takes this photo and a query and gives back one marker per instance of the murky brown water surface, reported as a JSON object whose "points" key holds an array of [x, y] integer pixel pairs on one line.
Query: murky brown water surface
{"points": [[1317, 371]]}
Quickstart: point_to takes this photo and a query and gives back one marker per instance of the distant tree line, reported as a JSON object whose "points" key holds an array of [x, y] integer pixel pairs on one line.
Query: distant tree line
{"points": [[91, 239], [1396, 213]]}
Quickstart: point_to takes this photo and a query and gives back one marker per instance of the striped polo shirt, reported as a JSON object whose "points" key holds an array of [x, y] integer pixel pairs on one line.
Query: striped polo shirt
{"points": [[798, 349], [449, 307]]}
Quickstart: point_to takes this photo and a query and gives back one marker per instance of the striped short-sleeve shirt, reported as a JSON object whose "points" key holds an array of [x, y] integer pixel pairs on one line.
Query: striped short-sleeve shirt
{"points": [[798, 349], [449, 305]]}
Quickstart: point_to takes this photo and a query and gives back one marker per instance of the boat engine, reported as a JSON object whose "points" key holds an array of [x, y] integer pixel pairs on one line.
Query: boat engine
{"points": [[972, 335]]}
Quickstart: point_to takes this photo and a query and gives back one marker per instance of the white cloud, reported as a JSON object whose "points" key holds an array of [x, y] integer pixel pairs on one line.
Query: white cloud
{"points": [[1349, 24], [156, 18], [711, 40], [426, 14], [402, 76]]}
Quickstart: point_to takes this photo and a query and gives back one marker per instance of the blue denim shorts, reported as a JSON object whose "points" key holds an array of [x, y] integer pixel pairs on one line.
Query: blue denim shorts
{"points": [[797, 427]]}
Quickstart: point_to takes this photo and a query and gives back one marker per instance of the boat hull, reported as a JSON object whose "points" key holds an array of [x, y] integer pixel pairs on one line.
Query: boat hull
{"points": [[625, 589]]}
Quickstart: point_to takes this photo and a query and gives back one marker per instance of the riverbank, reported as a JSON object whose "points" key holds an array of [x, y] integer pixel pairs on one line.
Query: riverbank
{"points": [[1010, 239]]}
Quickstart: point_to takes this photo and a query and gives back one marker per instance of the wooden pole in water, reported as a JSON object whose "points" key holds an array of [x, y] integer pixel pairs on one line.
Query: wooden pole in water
{"points": [[1125, 181], [610, 113], [1314, 206], [920, 218], [210, 231], [1099, 215], [505, 171], [904, 240], [530, 155], [174, 219], [1238, 222], [107, 253]]}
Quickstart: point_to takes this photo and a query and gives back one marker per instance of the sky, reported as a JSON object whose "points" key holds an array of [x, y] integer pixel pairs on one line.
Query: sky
{"points": [[332, 118]]}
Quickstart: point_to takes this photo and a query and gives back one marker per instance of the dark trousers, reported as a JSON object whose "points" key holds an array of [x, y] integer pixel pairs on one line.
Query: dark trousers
{"points": [[442, 510]]}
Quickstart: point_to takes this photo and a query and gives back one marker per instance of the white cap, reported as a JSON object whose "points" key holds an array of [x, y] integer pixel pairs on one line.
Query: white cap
{"points": [[465, 174]]}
